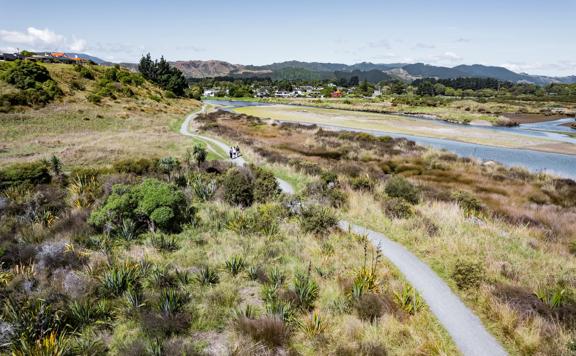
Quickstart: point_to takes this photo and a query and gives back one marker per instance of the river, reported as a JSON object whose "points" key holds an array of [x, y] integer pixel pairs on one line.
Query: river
{"points": [[536, 161]]}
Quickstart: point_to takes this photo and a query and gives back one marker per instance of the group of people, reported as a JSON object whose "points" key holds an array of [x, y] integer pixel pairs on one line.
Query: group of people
{"points": [[234, 152]]}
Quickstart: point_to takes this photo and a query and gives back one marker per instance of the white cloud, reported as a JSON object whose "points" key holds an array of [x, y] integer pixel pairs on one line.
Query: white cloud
{"points": [[41, 40], [563, 67]]}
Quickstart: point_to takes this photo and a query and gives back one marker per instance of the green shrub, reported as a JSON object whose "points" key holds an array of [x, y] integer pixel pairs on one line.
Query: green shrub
{"points": [[119, 278], [20, 173], [328, 177], [207, 276], [137, 166], [33, 80], [235, 265], [94, 98], [317, 219], [467, 274], [158, 204], [398, 208], [172, 301], [259, 220], [468, 202], [168, 165], [84, 72], [199, 153], [203, 186], [265, 185], [362, 183], [306, 291], [85, 312], [26, 74], [399, 187], [238, 187], [336, 197], [164, 242]]}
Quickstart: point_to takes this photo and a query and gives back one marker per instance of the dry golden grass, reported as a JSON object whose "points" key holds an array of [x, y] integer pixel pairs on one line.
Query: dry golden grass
{"points": [[81, 133]]}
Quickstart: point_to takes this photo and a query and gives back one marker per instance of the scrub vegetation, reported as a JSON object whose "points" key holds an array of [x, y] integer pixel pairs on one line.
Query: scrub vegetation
{"points": [[86, 114], [152, 257], [502, 238]]}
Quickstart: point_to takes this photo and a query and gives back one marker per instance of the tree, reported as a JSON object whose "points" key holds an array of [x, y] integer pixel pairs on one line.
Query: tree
{"points": [[167, 165], [160, 72], [199, 153]]}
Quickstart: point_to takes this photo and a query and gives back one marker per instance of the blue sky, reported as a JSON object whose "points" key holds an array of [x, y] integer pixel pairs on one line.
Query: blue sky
{"points": [[537, 37]]}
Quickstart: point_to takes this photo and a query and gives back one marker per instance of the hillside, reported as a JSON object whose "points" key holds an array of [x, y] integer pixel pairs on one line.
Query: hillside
{"points": [[202, 69], [87, 114]]}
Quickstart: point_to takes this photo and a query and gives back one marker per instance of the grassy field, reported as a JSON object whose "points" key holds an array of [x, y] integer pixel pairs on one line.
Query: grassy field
{"points": [[402, 125], [80, 132]]}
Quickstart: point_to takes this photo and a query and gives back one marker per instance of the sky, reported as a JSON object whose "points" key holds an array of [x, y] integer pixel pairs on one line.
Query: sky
{"points": [[532, 36]]}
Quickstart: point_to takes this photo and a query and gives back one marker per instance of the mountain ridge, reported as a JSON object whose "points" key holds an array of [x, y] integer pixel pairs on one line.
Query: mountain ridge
{"points": [[294, 69]]}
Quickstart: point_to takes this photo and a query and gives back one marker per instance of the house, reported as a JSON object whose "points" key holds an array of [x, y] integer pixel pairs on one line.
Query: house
{"points": [[209, 92], [282, 94]]}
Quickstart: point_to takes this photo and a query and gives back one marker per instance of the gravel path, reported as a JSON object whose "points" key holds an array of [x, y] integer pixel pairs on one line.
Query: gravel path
{"points": [[463, 326]]}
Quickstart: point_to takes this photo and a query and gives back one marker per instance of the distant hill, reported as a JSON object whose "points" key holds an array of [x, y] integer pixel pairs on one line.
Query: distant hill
{"points": [[365, 70]]}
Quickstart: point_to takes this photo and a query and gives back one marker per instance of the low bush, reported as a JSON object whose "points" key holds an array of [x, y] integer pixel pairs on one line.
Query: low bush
{"points": [[265, 185], [84, 72], [269, 330], [468, 202], [138, 166], [398, 208], [171, 302], [305, 290], [120, 278], [235, 265], [259, 220], [317, 219], [94, 98], [164, 242], [399, 187], [362, 183], [467, 274], [34, 81], [238, 187], [203, 186], [21, 173], [155, 203], [85, 312], [207, 276], [371, 306]]}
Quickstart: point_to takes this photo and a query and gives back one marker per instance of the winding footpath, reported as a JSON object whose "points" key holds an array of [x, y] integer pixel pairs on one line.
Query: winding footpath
{"points": [[464, 327]]}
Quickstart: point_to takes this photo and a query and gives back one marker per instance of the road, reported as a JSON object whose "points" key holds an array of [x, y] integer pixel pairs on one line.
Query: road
{"points": [[465, 328]]}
